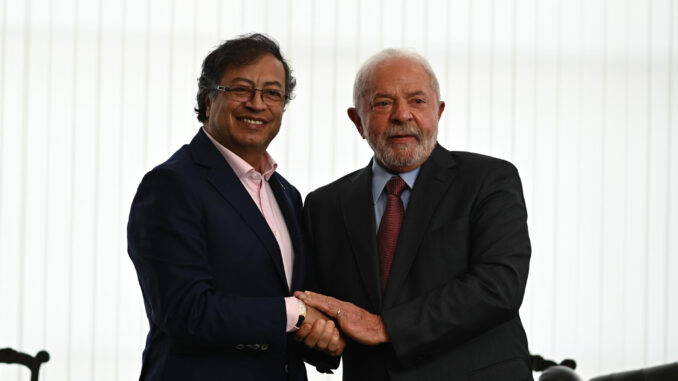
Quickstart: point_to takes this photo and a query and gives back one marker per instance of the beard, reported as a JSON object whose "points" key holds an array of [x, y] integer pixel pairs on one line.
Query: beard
{"points": [[397, 156]]}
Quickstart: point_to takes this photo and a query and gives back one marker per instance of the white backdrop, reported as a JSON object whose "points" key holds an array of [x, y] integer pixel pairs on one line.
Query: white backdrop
{"points": [[582, 95]]}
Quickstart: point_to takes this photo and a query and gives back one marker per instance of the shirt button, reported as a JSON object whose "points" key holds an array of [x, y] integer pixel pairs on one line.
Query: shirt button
{"points": [[286, 370]]}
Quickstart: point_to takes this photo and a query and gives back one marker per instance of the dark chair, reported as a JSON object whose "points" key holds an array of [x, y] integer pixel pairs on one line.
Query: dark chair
{"points": [[10, 356], [551, 371], [666, 372]]}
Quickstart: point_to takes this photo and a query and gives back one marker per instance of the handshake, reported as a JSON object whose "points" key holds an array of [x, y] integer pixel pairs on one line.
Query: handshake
{"points": [[330, 323]]}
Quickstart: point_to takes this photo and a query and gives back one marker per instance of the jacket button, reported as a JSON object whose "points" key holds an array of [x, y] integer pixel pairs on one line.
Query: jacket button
{"points": [[286, 370]]}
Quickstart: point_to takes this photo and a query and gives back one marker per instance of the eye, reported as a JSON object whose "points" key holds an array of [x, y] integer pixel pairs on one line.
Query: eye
{"points": [[241, 91], [419, 101], [273, 94], [382, 104]]}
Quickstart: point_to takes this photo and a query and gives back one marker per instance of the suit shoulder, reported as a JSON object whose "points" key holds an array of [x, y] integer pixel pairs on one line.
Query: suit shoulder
{"points": [[180, 159], [337, 186], [471, 161], [177, 172]]}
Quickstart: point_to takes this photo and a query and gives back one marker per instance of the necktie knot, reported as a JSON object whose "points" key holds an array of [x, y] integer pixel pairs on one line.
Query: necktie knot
{"points": [[395, 186]]}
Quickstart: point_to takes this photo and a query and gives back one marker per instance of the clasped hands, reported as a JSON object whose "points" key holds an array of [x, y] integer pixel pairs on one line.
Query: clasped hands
{"points": [[330, 322]]}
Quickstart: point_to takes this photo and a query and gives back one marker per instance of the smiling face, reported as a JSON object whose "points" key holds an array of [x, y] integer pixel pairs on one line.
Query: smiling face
{"points": [[246, 128], [398, 114]]}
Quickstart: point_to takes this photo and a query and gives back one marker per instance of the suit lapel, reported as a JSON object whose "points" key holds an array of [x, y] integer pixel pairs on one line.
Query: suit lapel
{"points": [[225, 181], [356, 204], [432, 183], [287, 208]]}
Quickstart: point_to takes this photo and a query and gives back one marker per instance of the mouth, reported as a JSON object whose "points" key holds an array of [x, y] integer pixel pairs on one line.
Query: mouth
{"points": [[253, 121], [402, 139]]}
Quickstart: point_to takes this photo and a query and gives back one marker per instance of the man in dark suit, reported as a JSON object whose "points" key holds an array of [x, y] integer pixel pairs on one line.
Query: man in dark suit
{"points": [[214, 233], [423, 255]]}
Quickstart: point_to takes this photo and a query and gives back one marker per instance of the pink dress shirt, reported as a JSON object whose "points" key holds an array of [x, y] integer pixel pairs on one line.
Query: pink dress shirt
{"points": [[260, 190]]}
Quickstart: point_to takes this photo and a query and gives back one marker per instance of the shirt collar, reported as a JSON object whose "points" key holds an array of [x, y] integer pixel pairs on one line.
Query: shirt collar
{"points": [[380, 177], [240, 166]]}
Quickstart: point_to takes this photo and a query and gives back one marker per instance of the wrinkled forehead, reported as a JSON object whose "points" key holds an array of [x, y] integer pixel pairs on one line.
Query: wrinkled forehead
{"points": [[398, 76]]}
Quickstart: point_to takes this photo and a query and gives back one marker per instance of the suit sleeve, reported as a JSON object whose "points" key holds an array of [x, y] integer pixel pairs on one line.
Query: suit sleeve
{"points": [[489, 293], [324, 363], [167, 243]]}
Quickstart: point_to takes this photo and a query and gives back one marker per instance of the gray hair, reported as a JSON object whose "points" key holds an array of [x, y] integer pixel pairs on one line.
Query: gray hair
{"points": [[366, 70]]}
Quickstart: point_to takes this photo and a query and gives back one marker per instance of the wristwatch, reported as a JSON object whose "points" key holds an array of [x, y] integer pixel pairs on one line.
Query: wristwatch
{"points": [[302, 312]]}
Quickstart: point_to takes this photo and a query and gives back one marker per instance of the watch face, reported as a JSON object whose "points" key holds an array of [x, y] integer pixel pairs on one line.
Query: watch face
{"points": [[300, 321]]}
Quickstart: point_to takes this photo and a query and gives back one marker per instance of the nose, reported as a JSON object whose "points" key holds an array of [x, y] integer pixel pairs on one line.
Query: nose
{"points": [[256, 101], [401, 112]]}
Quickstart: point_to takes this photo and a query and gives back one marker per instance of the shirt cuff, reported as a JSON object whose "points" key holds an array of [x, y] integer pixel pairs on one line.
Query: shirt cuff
{"points": [[292, 306]]}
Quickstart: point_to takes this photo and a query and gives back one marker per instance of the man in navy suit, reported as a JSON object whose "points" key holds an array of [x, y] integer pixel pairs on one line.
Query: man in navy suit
{"points": [[214, 234], [424, 253]]}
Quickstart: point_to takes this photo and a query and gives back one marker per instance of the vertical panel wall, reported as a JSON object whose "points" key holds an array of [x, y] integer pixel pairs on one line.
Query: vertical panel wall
{"points": [[580, 95]]}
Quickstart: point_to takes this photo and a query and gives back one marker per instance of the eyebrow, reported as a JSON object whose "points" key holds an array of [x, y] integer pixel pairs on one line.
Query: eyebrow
{"points": [[269, 83], [389, 95]]}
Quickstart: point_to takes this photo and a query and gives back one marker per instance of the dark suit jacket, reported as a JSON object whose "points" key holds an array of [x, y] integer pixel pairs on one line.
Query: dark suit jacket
{"points": [[211, 272], [458, 275]]}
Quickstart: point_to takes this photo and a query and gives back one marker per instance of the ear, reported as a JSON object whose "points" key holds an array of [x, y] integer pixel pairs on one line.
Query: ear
{"points": [[441, 108], [355, 118], [208, 103]]}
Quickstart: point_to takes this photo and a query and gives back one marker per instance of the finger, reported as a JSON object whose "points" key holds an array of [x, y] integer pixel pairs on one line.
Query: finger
{"points": [[326, 336], [340, 347], [312, 338], [333, 344], [302, 332], [326, 304]]}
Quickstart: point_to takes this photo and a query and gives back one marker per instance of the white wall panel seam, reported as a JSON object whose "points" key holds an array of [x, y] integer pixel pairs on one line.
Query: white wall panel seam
{"points": [[146, 139], [121, 208], [469, 70], [48, 177], [533, 169], [490, 82], [71, 243], [514, 92], [287, 115], [311, 97], [556, 175], [95, 199], [3, 85], [448, 49], [601, 222], [24, 168], [648, 160], [170, 71], [333, 98], [669, 177], [625, 173]]}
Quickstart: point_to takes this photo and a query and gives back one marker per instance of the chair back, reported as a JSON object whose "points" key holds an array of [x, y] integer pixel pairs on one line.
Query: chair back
{"points": [[10, 356]]}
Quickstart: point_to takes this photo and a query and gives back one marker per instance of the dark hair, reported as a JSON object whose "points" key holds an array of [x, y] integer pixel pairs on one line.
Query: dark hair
{"points": [[239, 51]]}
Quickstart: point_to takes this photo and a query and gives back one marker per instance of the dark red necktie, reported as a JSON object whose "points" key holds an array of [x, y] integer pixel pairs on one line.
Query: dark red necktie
{"points": [[389, 228]]}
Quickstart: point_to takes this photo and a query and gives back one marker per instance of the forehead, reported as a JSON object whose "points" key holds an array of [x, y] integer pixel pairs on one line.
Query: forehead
{"points": [[264, 69], [399, 75]]}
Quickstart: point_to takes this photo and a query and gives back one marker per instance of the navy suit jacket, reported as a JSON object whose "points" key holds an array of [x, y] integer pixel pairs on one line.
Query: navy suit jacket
{"points": [[211, 272], [458, 275]]}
